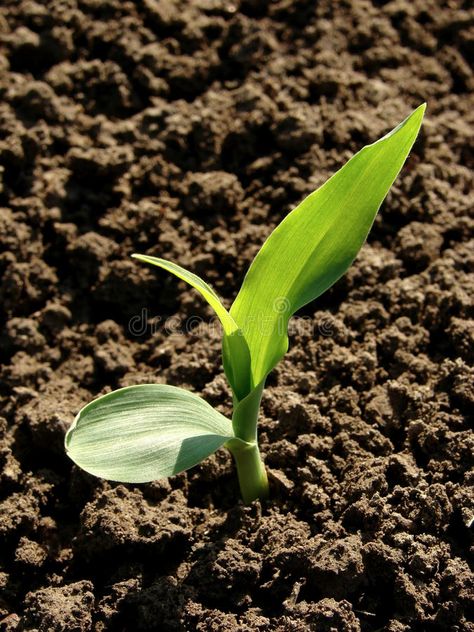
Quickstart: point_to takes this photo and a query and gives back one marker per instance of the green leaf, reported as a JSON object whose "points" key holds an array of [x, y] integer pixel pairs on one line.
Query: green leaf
{"points": [[142, 433], [245, 414], [236, 356], [315, 244], [228, 323]]}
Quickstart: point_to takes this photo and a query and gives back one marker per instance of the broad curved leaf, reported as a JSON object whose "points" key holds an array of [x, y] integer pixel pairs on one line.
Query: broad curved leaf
{"points": [[315, 244], [146, 432]]}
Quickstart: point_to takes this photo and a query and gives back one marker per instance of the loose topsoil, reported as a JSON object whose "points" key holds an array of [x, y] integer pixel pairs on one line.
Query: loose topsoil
{"points": [[188, 130]]}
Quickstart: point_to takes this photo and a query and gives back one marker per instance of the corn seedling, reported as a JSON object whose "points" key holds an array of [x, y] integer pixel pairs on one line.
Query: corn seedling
{"points": [[146, 432]]}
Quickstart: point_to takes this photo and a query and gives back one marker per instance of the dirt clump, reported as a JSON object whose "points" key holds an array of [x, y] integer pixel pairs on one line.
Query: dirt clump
{"points": [[188, 131]]}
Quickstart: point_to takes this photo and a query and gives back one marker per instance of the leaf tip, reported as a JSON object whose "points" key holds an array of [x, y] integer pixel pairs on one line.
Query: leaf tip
{"points": [[68, 436], [420, 110], [139, 257]]}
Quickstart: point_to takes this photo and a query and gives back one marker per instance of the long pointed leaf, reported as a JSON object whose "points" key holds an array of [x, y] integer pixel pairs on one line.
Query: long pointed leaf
{"points": [[205, 290], [315, 244], [142, 433], [236, 357]]}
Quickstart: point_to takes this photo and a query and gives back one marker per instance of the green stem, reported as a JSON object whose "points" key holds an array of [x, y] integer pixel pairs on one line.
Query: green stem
{"points": [[250, 468], [245, 415]]}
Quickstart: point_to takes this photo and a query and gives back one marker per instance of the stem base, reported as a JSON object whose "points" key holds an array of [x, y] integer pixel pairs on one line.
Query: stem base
{"points": [[251, 471]]}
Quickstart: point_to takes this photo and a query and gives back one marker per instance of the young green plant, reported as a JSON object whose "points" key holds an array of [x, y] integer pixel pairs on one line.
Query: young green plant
{"points": [[146, 432]]}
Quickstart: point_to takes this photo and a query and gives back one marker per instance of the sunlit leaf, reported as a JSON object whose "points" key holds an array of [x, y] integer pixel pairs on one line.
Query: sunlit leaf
{"points": [[205, 290], [142, 433], [236, 356], [315, 244]]}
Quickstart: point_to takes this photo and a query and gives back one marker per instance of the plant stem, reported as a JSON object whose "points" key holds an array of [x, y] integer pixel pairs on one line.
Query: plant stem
{"points": [[245, 415], [250, 468]]}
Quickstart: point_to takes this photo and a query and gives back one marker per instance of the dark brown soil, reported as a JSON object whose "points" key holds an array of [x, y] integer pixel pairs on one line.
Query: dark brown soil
{"points": [[188, 130]]}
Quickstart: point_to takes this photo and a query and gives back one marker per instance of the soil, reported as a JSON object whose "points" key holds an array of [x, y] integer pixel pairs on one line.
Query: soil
{"points": [[188, 130]]}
